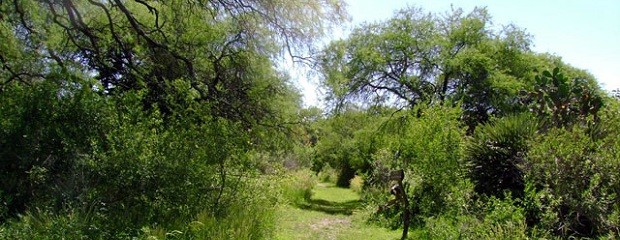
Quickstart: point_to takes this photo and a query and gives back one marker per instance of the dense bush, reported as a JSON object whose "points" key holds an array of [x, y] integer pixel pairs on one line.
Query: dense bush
{"points": [[357, 184], [40, 224], [429, 148], [512, 179], [346, 143], [328, 175], [250, 215], [102, 167], [494, 219], [47, 131], [495, 153], [571, 177], [575, 183], [155, 174]]}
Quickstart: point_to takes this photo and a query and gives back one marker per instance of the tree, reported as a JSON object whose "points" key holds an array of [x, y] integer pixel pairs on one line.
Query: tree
{"points": [[418, 58], [133, 105], [337, 145], [223, 49]]}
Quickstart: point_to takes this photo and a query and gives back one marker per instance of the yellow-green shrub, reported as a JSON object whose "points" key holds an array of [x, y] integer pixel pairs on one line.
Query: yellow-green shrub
{"points": [[296, 187], [357, 183]]}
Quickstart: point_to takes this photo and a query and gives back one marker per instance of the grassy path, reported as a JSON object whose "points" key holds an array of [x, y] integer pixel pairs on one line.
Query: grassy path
{"points": [[332, 213]]}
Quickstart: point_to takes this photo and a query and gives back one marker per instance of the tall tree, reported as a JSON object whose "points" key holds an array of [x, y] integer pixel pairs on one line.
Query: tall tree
{"points": [[440, 59]]}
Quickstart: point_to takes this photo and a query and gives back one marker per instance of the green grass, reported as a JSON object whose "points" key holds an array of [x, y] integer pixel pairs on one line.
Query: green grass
{"points": [[329, 192], [332, 213]]}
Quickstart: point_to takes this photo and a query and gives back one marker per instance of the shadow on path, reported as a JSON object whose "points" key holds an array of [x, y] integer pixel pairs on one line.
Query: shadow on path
{"points": [[329, 207]]}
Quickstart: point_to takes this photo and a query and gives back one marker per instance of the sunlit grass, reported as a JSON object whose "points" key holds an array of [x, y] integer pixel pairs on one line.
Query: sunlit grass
{"points": [[329, 192], [332, 213]]}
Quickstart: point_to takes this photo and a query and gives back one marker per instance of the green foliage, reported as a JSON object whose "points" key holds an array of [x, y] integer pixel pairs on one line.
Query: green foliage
{"points": [[428, 147], [157, 174], [561, 102], [247, 220], [574, 178], [45, 225], [47, 130], [112, 167], [249, 216], [328, 175], [500, 219], [138, 117], [495, 153], [357, 184], [430, 151], [296, 187], [114, 125], [416, 58], [345, 143], [224, 49]]}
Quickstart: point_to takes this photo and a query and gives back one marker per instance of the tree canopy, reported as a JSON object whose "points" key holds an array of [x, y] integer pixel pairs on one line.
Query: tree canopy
{"points": [[222, 50], [454, 58]]}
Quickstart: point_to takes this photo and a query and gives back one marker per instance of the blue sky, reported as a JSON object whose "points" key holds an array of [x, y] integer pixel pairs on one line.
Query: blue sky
{"points": [[586, 34]]}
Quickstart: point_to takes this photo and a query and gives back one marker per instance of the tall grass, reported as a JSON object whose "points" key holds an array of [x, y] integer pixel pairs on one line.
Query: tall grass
{"points": [[249, 221], [250, 215], [357, 184], [42, 224], [296, 187]]}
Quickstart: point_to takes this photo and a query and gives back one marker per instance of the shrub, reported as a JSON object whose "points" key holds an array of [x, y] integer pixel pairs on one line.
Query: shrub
{"points": [[357, 184], [246, 220], [427, 144], [575, 182], [495, 153], [106, 161], [46, 131], [430, 152], [345, 174], [342, 145], [250, 216], [328, 175], [296, 187], [376, 192], [497, 219], [162, 172]]}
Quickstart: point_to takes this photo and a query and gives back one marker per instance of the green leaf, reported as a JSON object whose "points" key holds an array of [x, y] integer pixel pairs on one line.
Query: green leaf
{"points": [[556, 70]]}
